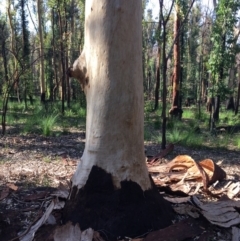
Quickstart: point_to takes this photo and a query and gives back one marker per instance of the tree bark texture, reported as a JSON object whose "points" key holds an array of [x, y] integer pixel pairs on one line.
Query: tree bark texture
{"points": [[42, 76], [176, 109], [238, 93], [157, 87], [111, 188]]}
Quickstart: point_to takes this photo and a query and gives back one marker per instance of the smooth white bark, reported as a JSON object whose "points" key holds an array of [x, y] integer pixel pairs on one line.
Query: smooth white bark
{"points": [[113, 85]]}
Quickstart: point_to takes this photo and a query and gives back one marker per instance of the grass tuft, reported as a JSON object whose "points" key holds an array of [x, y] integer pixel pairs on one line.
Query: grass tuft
{"points": [[47, 124]]}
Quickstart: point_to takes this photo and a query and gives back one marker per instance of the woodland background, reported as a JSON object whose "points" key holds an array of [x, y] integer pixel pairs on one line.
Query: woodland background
{"points": [[190, 59]]}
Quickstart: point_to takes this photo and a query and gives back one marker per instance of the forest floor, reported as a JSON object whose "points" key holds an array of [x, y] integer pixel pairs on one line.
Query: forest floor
{"points": [[32, 167]]}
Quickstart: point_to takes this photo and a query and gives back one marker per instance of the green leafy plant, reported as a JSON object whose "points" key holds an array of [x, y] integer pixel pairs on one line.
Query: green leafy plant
{"points": [[184, 137], [188, 114], [82, 112], [148, 135], [236, 141], [47, 124]]}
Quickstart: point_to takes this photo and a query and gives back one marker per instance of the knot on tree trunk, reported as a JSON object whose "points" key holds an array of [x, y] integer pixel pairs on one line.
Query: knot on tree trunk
{"points": [[79, 70]]}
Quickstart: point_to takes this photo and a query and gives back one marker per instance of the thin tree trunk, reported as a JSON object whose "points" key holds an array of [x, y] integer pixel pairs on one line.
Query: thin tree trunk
{"points": [[238, 93], [67, 52], [13, 48], [6, 79], [164, 91], [54, 60], [62, 52], [42, 76], [176, 108], [157, 87]]}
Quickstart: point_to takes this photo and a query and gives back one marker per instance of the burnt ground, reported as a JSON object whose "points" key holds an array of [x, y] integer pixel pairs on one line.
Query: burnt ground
{"points": [[32, 167]]}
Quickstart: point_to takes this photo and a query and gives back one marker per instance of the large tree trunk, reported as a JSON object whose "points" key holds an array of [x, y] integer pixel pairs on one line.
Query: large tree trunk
{"points": [[111, 188]]}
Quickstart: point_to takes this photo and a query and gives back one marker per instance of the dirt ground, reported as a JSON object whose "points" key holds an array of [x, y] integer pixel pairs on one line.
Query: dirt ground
{"points": [[32, 167]]}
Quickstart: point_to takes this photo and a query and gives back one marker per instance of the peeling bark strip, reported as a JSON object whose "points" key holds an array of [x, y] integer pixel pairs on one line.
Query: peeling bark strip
{"points": [[183, 173], [222, 213]]}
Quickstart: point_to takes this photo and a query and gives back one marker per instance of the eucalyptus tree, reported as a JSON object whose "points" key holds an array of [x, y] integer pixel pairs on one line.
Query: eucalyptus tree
{"points": [[66, 40], [111, 189], [182, 10], [165, 58], [163, 19], [12, 23], [204, 50], [176, 105], [4, 35], [41, 52], [158, 61], [191, 53], [222, 54], [26, 83], [54, 35], [238, 88], [5, 71], [149, 41], [232, 83]]}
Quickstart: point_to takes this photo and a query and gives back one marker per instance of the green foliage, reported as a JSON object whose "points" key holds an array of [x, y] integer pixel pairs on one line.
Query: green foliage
{"points": [[47, 124], [222, 54], [40, 121], [187, 114], [184, 137], [157, 124], [229, 118], [236, 141], [148, 135], [82, 112], [202, 116]]}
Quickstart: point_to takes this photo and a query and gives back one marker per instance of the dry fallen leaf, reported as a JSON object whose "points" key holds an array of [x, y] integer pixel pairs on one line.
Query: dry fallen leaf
{"points": [[221, 213], [64, 162], [186, 175], [12, 186]]}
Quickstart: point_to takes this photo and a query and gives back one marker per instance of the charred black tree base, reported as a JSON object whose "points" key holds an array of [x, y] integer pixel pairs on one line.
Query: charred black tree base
{"points": [[230, 104], [176, 112], [125, 212]]}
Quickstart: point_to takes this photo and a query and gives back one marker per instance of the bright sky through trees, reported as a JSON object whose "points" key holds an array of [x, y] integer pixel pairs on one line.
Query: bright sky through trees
{"points": [[154, 5]]}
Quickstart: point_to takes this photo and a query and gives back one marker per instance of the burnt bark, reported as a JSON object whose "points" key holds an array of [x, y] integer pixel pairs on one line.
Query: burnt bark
{"points": [[176, 106], [230, 104], [116, 213]]}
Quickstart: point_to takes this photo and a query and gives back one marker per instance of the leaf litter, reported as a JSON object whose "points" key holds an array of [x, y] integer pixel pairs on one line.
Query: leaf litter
{"points": [[34, 181]]}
